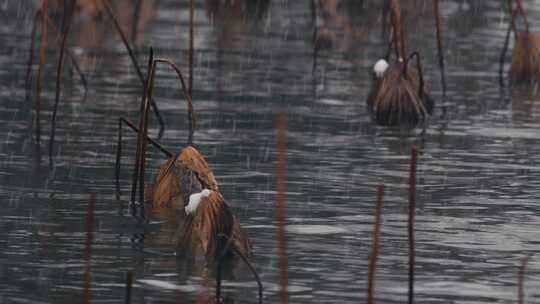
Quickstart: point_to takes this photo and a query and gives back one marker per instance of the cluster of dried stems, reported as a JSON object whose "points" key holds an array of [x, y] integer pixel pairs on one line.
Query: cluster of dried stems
{"points": [[42, 17], [213, 231], [400, 97]]}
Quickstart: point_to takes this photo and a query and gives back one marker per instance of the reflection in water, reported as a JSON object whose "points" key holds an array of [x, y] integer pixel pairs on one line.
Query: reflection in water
{"points": [[232, 17], [477, 183]]}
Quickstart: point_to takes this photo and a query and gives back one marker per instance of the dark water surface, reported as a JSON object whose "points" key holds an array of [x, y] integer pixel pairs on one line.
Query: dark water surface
{"points": [[478, 174]]}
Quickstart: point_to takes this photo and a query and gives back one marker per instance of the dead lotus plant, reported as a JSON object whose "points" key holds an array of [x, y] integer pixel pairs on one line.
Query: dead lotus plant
{"points": [[185, 184], [399, 96], [525, 66]]}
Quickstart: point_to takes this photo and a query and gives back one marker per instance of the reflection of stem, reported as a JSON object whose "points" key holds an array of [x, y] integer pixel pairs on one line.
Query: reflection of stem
{"points": [[523, 14], [521, 275], [281, 206], [503, 53], [135, 23], [439, 43], [68, 53], [31, 58], [191, 13], [412, 209], [88, 248], [129, 283], [375, 247], [131, 54], [68, 16], [42, 44], [314, 40], [512, 16]]}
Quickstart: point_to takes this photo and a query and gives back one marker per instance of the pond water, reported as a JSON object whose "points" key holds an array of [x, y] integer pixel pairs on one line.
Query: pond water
{"points": [[478, 171]]}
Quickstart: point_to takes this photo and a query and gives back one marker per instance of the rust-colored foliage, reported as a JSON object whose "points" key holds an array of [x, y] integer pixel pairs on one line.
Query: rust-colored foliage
{"points": [[398, 99], [526, 54], [181, 176], [207, 231], [526, 57]]}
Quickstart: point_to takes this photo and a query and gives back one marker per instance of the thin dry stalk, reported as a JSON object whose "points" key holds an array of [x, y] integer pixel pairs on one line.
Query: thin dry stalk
{"points": [[521, 279], [142, 122], [375, 246], [133, 58], [143, 125], [412, 211], [69, 54], [397, 24], [231, 245], [132, 126], [252, 269], [502, 58], [66, 25], [42, 46], [281, 207], [149, 89]]}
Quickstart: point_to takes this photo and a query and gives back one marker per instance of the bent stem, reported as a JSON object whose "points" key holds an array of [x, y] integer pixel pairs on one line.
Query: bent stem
{"points": [[230, 244], [420, 72], [191, 114], [70, 55], [375, 246], [66, 24]]}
